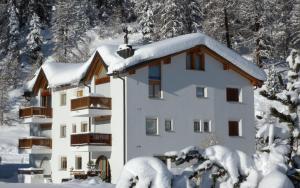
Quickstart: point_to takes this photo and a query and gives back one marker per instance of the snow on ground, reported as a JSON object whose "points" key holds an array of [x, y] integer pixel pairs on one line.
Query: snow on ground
{"points": [[90, 183], [9, 136]]}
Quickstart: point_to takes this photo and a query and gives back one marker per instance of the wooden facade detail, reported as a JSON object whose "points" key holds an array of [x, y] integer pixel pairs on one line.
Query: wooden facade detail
{"points": [[27, 143], [41, 82], [102, 118], [91, 102], [46, 126], [91, 139], [35, 111], [103, 80]]}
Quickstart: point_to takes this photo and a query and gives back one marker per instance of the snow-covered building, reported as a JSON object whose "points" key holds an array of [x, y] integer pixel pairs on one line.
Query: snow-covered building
{"points": [[128, 101]]}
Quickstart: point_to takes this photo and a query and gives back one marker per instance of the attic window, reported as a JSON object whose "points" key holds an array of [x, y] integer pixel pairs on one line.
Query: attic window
{"points": [[154, 81], [195, 61]]}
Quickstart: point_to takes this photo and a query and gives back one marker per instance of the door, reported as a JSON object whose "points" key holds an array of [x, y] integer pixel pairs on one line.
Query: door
{"points": [[104, 168]]}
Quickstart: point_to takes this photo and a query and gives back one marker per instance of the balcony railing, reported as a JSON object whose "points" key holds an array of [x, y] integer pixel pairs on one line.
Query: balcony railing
{"points": [[91, 102], [91, 139], [27, 143], [35, 111]]}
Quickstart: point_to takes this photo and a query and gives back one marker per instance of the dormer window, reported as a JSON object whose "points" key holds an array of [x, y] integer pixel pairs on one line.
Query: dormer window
{"points": [[154, 81], [195, 61]]}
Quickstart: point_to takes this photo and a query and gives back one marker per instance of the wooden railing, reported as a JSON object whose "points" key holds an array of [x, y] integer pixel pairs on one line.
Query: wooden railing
{"points": [[91, 139], [35, 111], [91, 102], [27, 143]]}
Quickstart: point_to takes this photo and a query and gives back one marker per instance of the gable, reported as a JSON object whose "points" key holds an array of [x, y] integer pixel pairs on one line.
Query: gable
{"points": [[41, 82], [201, 49], [97, 68]]}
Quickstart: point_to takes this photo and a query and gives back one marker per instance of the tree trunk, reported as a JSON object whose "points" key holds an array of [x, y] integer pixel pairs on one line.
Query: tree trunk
{"points": [[227, 35]]}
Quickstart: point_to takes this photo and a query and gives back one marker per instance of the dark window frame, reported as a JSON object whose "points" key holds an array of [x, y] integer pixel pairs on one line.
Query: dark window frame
{"points": [[232, 94], [234, 128], [154, 82]]}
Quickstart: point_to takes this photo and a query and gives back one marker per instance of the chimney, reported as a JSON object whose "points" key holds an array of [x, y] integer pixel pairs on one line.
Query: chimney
{"points": [[125, 50]]}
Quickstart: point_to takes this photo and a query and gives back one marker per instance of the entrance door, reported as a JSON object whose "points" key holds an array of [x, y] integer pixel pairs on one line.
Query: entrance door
{"points": [[103, 167]]}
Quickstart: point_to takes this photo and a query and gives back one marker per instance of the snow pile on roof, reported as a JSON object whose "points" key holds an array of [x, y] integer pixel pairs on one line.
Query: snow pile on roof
{"points": [[174, 45], [143, 172]]}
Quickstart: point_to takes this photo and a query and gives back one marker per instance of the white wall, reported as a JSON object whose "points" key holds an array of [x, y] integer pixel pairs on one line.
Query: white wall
{"points": [[116, 158], [180, 104], [62, 146]]}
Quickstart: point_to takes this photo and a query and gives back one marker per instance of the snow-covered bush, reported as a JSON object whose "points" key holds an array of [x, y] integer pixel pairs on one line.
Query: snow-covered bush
{"points": [[143, 172], [219, 166]]}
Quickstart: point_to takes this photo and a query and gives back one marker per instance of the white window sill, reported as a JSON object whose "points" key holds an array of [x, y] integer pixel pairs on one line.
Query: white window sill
{"points": [[152, 135]]}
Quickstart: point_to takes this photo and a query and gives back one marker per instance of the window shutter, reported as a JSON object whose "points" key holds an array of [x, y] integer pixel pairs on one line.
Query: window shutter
{"points": [[233, 127]]}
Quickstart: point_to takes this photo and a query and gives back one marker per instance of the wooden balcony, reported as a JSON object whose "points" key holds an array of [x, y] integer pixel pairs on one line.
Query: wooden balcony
{"points": [[35, 111], [38, 115], [28, 143], [91, 139], [91, 106]]}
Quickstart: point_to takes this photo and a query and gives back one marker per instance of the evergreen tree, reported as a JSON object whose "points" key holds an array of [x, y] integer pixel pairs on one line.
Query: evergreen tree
{"points": [[70, 21], [173, 19], [147, 21], [194, 15], [35, 40], [13, 53]]}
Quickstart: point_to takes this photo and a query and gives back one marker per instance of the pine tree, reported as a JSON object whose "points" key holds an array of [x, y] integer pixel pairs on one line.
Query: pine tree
{"points": [[273, 84], [13, 46], [35, 40], [147, 21], [219, 20], [194, 15], [173, 19], [70, 21]]}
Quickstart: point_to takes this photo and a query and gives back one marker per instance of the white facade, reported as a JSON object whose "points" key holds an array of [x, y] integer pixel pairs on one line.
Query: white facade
{"points": [[178, 105]]}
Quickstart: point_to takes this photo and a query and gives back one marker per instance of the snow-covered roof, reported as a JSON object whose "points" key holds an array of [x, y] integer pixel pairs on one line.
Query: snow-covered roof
{"points": [[60, 73], [172, 46]]}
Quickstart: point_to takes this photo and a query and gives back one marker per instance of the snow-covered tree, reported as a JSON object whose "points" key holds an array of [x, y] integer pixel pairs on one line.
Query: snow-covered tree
{"points": [[70, 21], [147, 21], [194, 15], [172, 19], [35, 40]]}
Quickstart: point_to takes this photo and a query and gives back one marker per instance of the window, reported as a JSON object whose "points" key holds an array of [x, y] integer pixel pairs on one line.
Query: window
{"points": [[155, 81], [201, 92], [63, 163], [84, 127], [168, 125], [63, 99], [206, 127], [196, 126], [74, 128], [232, 94], [151, 126], [78, 163], [79, 93], [63, 131], [195, 61], [234, 128]]}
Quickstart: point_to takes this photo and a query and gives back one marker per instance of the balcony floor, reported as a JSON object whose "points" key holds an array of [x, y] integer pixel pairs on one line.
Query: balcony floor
{"points": [[36, 150], [90, 112], [36, 119], [90, 148]]}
